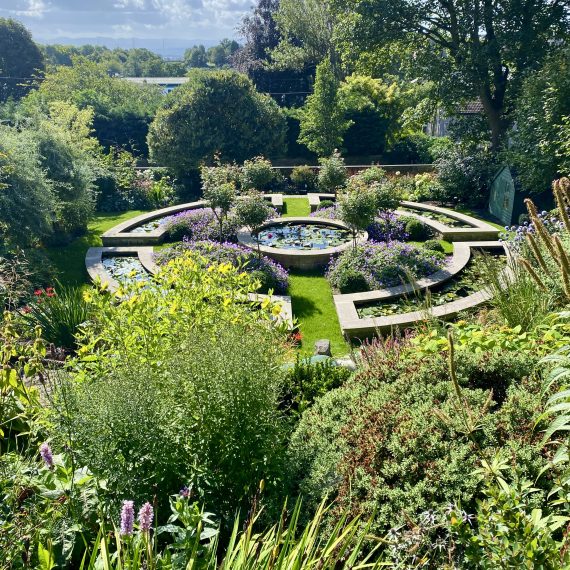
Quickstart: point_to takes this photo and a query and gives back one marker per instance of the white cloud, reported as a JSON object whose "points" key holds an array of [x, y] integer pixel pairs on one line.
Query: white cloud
{"points": [[34, 9]]}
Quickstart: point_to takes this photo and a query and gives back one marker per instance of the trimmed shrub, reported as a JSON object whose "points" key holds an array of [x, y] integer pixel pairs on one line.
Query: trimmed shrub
{"points": [[324, 204], [416, 230], [352, 281], [433, 245]]}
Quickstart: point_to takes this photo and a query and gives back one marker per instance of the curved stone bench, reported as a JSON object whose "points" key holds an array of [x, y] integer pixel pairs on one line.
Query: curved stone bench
{"points": [[353, 326], [122, 234], [98, 273]]}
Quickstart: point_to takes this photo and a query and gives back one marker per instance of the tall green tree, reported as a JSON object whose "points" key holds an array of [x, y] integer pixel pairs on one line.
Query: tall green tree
{"points": [[538, 148], [322, 118], [20, 60], [122, 110], [477, 49], [306, 28], [217, 113]]}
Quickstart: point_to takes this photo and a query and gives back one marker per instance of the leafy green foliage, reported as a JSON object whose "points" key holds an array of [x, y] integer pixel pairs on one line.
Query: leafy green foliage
{"points": [[537, 150], [215, 114], [357, 208], [306, 381], [332, 173], [458, 45], [20, 60], [257, 174], [304, 177], [375, 443], [59, 313], [27, 200], [322, 120], [122, 110], [220, 199]]}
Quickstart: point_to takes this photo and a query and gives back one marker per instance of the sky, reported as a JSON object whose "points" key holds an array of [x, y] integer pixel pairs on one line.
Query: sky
{"points": [[48, 20]]}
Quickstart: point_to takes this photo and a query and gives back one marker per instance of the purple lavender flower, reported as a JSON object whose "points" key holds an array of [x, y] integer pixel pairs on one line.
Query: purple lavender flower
{"points": [[127, 518], [47, 456], [146, 515]]}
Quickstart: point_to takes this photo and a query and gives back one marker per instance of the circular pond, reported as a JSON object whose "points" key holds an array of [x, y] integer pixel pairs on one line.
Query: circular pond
{"points": [[302, 243]]}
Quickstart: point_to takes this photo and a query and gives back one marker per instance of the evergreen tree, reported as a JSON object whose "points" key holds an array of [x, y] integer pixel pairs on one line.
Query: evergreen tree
{"points": [[322, 119]]}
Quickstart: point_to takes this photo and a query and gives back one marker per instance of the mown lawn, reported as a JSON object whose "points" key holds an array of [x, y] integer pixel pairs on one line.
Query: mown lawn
{"points": [[311, 296], [295, 207], [69, 260], [314, 308]]}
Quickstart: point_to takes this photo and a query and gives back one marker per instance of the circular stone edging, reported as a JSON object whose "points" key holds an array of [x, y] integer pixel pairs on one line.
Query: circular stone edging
{"points": [[297, 258]]}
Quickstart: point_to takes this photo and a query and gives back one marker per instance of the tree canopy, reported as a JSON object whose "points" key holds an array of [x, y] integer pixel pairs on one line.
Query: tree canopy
{"points": [[20, 60], [217, 113], [122, 110], [476, 49]]}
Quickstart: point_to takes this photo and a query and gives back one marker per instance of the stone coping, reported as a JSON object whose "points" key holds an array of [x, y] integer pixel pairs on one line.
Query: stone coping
{"points": [[97, 272], [353, 326], [295, 258], [122, 234], [478, 230]]}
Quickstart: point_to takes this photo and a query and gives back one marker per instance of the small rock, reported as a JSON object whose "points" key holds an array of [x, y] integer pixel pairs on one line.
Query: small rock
{"points": [[323, 347]]}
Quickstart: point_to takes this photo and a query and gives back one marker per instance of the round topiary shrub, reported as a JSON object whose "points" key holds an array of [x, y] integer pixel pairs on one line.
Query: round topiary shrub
{"points": [[352, 281], [416, 230], [326, 204], [433, 245]]}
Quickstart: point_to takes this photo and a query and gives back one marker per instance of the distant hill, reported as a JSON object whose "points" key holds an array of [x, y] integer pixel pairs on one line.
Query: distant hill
{"points": [[171, 48]]}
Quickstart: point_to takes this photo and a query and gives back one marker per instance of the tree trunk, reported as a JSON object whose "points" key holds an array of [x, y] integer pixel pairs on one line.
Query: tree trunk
{"points": [[494, 114]]}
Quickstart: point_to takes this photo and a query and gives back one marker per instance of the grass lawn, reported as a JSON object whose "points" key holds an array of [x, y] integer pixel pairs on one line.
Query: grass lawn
{"points": [[314, 308], [311, 296], [69, 260], [296, 207]]}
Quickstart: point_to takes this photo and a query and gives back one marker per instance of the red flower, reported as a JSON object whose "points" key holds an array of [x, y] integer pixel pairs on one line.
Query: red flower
{"points": [[26, 309], [50, 292], [38, 292]]}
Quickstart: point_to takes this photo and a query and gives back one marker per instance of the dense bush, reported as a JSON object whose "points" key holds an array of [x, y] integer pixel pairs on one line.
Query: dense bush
{"points": [[434, 245], [181, 386], [306, 381], [332, 173], [200, 224], [304, 178], [26, 197], [383, 265], [217, 114], [376, 444], [257, 174], [269, 273], [465, 176], [416, 229]]}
